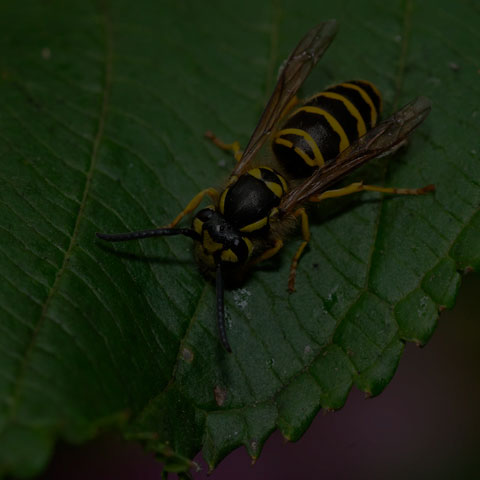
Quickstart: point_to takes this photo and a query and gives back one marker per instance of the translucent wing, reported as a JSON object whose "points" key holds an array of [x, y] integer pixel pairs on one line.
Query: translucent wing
{"points": [[382, 139], [295, 71]]}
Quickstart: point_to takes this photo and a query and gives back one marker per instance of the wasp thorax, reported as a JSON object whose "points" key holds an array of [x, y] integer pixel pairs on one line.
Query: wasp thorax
{"points": [[251, 200], [219, 241]]}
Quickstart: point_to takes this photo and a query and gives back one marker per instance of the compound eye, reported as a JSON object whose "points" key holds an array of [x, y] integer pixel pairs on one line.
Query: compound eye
{"points": [[205, 214]]}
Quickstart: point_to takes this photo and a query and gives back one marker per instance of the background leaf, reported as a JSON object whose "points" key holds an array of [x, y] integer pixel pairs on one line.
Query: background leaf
{"points": [[103, 112]]}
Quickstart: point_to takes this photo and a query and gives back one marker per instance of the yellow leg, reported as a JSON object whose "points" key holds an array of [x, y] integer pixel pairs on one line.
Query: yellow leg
{"points": [[194, 203], [306, 238], [234, 147], [360, 187], [268, 253]]}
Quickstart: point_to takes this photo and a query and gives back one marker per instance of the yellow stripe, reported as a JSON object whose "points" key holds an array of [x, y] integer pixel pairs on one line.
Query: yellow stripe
{"points": [[233, 179], [344, 143], [197, 225], [229, 256], [377, 91], [255, 225], [249, 245], [284, 183], [318, 157], [366, 97], [298, 151], [283, 141], [305, 157], [276, 188], [352, 109], [256, 173], [222, 200], [209, 244]]}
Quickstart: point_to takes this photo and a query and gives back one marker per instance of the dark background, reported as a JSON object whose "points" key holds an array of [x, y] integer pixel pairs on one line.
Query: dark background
{"points": [[424, 425]]}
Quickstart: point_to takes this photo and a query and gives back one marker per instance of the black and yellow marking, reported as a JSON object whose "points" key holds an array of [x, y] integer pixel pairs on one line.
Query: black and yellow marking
{"points": [[273, 181], [325, 125], [346, 113], [218, 241], [244, 226], [199, 220], [252, 198], [365, 96]]}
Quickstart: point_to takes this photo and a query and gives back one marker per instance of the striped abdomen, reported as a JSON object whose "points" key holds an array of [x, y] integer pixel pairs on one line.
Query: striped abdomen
{"points": [[325, 125]]}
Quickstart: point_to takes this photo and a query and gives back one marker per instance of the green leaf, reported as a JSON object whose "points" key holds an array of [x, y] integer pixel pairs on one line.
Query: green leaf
{"points": [[103, 111]]}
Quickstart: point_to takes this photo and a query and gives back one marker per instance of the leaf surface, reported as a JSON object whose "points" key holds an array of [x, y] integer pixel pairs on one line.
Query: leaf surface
{"points": [[103, 111]]}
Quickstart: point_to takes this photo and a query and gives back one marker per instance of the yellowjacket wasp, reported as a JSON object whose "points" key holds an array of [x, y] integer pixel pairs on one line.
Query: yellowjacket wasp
{"points": [[327, 137]]}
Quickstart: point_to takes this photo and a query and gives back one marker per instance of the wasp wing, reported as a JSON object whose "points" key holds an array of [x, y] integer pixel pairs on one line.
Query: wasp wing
{"points": [[382, 139], [293, 74]]}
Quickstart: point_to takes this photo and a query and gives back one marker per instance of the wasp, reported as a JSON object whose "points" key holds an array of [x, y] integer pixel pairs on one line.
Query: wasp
{"points": [[314, 145]]}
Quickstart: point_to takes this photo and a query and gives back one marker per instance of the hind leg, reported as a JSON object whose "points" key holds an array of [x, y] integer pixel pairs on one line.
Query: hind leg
{"points": [[360, 187], [306, 238]]}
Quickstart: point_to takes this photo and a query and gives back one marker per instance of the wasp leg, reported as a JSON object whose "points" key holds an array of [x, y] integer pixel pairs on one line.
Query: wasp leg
{"points": [[234, 147], [360, 187], [306, 238], [268, 253], [194, 203]]}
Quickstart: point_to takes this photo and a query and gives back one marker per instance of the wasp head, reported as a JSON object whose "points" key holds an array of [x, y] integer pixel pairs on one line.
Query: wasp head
{"points": [[219, 242]]}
